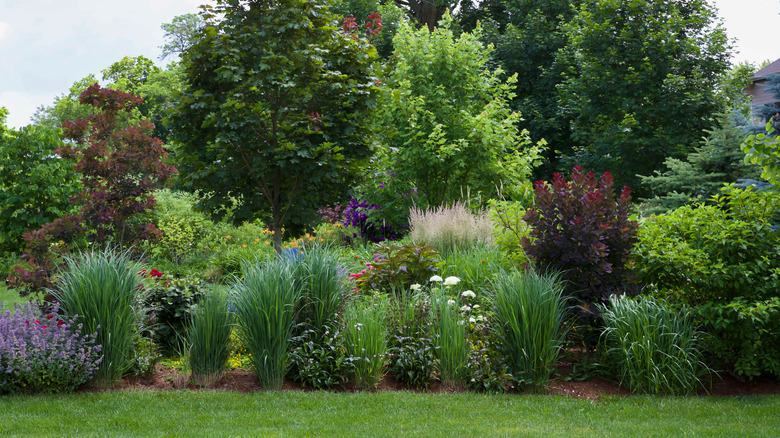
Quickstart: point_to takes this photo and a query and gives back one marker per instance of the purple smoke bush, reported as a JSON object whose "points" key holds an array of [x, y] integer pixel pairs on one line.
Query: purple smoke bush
{"points": [[44, 352]]}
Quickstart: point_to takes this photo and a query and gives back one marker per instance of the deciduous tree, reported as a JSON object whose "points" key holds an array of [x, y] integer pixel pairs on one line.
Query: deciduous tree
{"points": [[276, 109]]}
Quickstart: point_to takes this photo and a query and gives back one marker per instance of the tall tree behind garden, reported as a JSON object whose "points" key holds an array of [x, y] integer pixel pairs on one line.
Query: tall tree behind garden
{"points": [[718, 160], [276, 109], [448, 123], [527, 34], [640, 82]]}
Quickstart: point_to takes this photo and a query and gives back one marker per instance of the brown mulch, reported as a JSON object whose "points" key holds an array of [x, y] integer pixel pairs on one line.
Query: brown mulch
{"points": [[594, 389]]}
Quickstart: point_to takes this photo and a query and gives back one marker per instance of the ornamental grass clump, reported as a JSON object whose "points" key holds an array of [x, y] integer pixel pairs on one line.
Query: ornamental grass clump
{"points": [[323, 287], [366, 333], [264, 304], [530, 311], [648, 347], [99, 289], [44, 352], [449, 334], [449, 228], [209, 338]]}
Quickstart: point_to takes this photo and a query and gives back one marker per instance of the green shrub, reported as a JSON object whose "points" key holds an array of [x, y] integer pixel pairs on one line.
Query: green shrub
{"points": [[100, 288], [173, 301], [529, 312], [723, 260], [209, 339], [648, 347], [319, 361], [509, 229], [396, 267], [713, 253], [264, 304], [366, 340], [744, 335], [181, 225], [36, 185], [229, 246], [449, 228]]}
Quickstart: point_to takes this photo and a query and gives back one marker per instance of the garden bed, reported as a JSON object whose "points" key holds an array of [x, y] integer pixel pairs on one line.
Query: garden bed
{"points": [[244, 381]]}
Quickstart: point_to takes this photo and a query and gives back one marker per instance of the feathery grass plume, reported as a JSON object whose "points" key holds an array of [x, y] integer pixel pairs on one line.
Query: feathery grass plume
{"points": [[209, 338], [366, 331], [530, 310], [650, 348], [450, 228], [265, 309], [323, 287], [99, 288], [449, 334]]}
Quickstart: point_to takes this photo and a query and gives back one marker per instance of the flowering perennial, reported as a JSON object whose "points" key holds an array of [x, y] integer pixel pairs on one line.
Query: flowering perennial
{"points": [[43, 353]]}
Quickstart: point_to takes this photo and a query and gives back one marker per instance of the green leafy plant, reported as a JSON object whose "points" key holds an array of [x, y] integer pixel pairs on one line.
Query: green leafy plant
{"points": [[451, 125], [713, 253], [173, 302], [396, 267], [366, 340], [649, 347], [411, 347], [530, 311], [450, 228], [743, 336], [319, 360], [99, 288], [264, 304], [35, 184], [209, 339], [509, 229]]}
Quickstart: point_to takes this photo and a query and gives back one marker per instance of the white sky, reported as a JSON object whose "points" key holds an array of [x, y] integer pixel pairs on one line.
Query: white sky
{"points": [[46, 45]]}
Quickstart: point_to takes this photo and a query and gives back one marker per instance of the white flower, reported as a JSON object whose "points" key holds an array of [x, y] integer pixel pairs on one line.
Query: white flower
{"points": [[472, 320], [465, 308], [358, 326], [480, 318], [476, 306], [451, 302], [451, 281], [467, 294], [436, 278], [415, 287]]}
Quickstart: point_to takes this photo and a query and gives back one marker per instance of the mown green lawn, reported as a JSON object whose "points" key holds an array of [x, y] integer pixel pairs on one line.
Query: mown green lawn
{"points": [[9, 296], [292, 413]]}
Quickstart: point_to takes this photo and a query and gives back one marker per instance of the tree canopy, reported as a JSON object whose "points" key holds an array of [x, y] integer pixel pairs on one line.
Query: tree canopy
{"points": [[447, 118], [640, 82], [275, 110]]}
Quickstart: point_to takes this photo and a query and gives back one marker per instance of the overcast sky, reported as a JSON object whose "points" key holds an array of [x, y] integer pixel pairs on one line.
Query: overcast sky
{"points": [[46, 45]]}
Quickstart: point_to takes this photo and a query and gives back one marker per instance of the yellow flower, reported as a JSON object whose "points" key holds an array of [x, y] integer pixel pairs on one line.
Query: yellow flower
{"points": [[267, 242], [243, 246]]}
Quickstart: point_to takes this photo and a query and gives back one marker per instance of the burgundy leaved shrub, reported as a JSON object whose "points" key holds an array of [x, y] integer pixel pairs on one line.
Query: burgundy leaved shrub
{"points": [[120, 165], [583, 230]]}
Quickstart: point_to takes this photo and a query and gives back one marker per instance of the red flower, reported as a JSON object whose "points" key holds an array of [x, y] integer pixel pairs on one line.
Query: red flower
{"points": [[49, 316], [60, 323], [44, 326], [37, 322]]}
